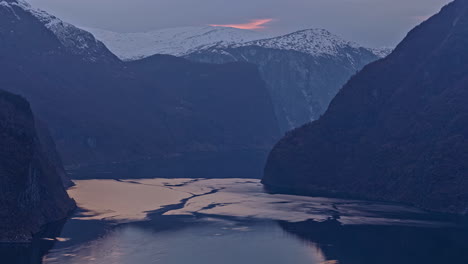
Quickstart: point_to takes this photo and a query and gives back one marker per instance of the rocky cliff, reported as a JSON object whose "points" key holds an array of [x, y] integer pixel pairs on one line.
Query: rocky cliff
{"points": [[31, 189], [397, 131]]}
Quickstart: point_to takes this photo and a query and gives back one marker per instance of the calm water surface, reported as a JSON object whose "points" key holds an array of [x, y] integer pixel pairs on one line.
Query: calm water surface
{"points": [[233, 221]]}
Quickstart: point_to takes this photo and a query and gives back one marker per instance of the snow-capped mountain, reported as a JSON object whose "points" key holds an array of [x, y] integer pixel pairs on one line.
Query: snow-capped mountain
{"points": [[172, 41], [186, 40], [304, 70], [76, 40], [314, 42]]}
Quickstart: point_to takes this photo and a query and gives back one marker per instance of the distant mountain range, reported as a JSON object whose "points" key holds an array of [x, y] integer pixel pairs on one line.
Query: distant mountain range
{"points": [[186, 40], [304, 70], [397, 131], [103, 112], [173, 41]]}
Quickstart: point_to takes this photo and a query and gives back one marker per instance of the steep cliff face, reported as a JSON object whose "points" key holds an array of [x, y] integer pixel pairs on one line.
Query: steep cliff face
{"points": [[303, 70], [49, 149], [101, 110], [397, 131], [31, 191]]}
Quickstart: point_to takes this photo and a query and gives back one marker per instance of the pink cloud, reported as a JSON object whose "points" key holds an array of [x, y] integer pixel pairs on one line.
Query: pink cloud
{"points": [[252, 25]]}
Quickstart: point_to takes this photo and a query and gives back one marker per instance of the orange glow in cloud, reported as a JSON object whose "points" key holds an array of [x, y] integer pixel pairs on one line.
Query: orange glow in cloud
{"points": [[252, 25]]}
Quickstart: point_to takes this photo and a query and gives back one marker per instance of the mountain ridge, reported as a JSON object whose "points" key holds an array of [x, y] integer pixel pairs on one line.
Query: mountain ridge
{"points": [[314, 41], [186, 40]]}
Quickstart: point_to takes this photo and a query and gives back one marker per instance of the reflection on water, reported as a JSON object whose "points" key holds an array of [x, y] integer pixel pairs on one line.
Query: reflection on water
{"points": [[355, 244], [34, 252], [233, 221]]}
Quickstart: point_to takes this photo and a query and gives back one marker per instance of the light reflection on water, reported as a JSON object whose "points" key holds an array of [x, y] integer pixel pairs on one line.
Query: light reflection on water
{"points": [[207, 243]]}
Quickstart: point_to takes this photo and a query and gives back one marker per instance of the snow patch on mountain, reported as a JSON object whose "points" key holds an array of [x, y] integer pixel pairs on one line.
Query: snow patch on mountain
{"points": [[6, 4], [172, 41], [382, 52]]}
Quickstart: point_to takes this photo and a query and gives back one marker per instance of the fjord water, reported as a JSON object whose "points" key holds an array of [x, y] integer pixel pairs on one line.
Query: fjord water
{"points": [[228, 221]]}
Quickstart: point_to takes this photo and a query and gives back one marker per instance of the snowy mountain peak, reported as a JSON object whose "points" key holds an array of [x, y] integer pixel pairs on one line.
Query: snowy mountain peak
{"points": [[311, 41], [172, 41], [74, 39]]}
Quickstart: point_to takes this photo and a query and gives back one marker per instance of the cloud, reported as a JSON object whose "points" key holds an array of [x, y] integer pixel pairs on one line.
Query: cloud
{"points": [[252, 25]]}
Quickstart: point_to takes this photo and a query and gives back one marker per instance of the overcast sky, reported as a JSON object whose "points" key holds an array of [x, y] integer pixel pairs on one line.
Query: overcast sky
{"points": [[373, 23]]}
